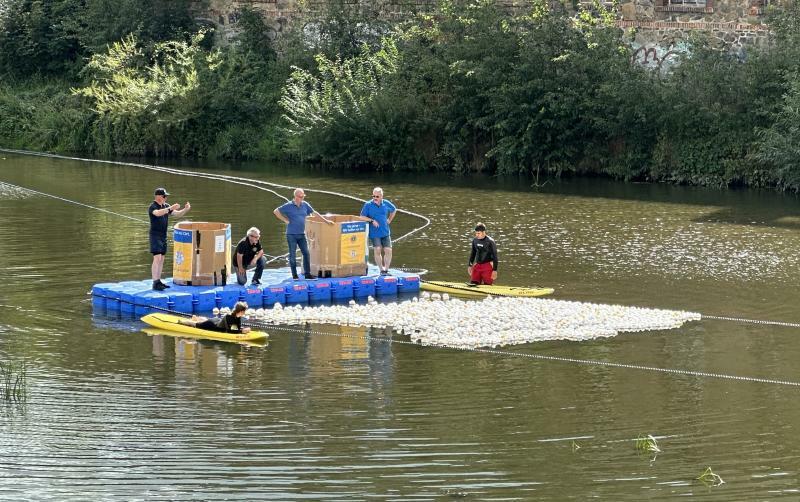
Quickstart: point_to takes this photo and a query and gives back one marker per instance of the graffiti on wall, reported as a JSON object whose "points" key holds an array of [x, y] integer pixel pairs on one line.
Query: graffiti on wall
{"points": [[659, 57]]}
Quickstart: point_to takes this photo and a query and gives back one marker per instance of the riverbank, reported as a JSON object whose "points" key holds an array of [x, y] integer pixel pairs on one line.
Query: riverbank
{"points": [[546, 95]]}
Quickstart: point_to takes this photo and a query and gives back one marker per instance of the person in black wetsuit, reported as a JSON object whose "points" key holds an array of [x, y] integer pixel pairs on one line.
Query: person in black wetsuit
{"points": [[482, 267], [159, 215], [229, 323]]}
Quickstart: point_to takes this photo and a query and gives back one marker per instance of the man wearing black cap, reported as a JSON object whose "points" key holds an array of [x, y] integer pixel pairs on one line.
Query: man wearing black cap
{"points": [[159, 214], [483, 257]]}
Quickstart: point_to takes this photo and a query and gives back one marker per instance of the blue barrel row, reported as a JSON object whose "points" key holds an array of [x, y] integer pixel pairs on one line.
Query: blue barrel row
{"points": [[138, 298]]}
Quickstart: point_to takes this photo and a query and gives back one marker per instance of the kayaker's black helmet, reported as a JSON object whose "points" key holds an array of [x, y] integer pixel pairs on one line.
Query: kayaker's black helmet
{"points": [[480, 227]]}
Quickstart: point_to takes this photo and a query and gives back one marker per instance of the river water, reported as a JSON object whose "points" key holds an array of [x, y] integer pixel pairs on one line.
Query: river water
{"points": [[113, 413]]}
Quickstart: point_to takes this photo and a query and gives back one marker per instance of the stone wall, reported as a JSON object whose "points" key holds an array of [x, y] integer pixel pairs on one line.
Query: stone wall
{"points": [[224, 14], [734, 24]]}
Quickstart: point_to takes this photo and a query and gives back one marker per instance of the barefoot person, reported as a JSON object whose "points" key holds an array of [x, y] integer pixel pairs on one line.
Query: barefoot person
{"points": [[294, 214], [483, 257], [380, 213], [159, 214], [229, 323]]}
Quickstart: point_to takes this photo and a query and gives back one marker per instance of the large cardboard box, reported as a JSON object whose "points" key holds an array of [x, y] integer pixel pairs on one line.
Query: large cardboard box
{"points": [[338, 250], [202, 253]]}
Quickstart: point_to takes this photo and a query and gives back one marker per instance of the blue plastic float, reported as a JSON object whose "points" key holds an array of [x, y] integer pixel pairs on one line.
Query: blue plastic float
{"points": [[137, 298]]}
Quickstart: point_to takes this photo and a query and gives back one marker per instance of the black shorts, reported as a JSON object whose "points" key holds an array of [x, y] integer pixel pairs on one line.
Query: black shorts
{"points": [[158, 244], [207, 325]]}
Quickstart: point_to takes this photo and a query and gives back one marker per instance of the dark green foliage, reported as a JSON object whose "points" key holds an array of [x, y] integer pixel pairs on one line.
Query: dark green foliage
{"points": [[40, 37], [467, 85], [150, 21], [43, 115], [705, 124], [52, 37], [342, 26], [779, 146], [776, 154]]}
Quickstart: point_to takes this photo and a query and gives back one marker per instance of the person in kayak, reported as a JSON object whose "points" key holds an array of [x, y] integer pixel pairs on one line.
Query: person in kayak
{"points": [[482, 267], [229, 323]]}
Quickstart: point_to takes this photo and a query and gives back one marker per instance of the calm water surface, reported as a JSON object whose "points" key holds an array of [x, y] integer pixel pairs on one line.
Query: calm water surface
{"points": [[116, 414]]}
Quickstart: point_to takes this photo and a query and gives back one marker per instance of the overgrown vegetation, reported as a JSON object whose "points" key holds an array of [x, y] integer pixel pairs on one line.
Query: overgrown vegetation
{"points": [[709, 478], [462, 87], [13, 382], [647, 444]]}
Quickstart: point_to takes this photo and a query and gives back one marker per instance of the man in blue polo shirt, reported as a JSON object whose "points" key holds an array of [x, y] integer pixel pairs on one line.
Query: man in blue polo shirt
{"points": [[380, 213], [294, 214]]}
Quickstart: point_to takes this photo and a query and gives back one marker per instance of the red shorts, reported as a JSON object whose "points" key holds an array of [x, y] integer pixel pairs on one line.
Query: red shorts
{"points": [[482, 273]]}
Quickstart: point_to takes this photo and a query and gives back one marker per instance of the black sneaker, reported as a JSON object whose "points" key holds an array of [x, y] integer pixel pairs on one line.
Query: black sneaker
{"points": [[162, 283], [255, 282], [384, 272], [159, 286], [295, 278], [311, 278]]}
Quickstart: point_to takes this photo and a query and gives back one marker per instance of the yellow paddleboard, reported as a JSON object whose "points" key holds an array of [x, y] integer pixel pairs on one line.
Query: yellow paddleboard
{"points": [[262, 342], [466, 289], [170, 323]]}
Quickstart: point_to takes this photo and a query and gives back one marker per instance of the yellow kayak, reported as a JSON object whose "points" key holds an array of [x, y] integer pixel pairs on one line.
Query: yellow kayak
{"points": [[466, 289], [170, 323]]}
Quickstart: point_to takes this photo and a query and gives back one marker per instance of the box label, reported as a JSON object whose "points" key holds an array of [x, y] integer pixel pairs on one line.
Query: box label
{"points": [[353, 243], [183, 255], [219, 244], [182, 235], [354, 227]]}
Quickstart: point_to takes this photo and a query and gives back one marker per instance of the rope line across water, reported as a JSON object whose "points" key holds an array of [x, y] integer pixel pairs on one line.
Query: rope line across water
{"points": [[255, 184], [210, 176], [2, 183], [507, 353], [529, 355], [752, 321]]}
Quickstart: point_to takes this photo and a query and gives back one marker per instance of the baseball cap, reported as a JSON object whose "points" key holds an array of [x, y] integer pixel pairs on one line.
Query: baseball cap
{"points": [[161, 191]]}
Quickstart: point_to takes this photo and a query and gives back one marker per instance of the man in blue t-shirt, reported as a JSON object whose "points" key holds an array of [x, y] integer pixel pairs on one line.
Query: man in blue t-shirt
{"points": [[294, 214], [159, 214], [380, 213]]}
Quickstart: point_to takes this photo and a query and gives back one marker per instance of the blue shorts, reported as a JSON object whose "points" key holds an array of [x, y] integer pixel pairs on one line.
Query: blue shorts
{"points": [[382, 242], [158, 244]]}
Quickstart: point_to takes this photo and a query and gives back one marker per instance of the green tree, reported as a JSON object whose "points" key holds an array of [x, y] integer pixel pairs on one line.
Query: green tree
{"points": [[54, 37], [320, 105], [146, 106], [150, 21], [40, 37]]}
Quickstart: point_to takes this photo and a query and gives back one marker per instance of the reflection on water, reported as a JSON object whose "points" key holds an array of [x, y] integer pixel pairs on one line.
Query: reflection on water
{"points": [[115, 412]]}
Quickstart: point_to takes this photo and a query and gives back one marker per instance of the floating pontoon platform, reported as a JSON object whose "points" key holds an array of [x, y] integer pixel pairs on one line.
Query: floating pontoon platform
{"points": [[138, 297]]}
